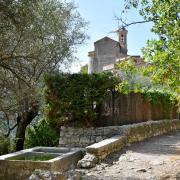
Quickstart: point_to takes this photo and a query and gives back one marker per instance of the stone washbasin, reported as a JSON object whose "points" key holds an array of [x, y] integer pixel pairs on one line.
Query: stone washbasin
{"points": [[19, 165]]}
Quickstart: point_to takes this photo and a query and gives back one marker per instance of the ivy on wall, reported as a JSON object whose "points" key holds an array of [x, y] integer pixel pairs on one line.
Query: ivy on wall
{"points": [[76, 98]]}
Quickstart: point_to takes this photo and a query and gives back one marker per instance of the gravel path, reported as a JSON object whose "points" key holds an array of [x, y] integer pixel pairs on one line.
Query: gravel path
{"points": [[155, 159]]}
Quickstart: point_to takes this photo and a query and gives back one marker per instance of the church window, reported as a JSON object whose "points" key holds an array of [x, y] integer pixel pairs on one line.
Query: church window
{"points": [[122, 38]]}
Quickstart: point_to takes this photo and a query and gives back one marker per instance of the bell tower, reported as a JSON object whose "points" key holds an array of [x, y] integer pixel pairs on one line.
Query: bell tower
{"points": [[122, 33]]}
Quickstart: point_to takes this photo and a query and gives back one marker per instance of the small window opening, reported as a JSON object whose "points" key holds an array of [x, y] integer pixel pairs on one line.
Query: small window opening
{"points": [[122, 38]]}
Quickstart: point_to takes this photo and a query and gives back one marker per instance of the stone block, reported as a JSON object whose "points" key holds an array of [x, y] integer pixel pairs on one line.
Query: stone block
{"points": [[75, 139], [88, 161], [98, 138], [78, 131], [84, 140], [107, 146], [89, 131], [99, 131]]}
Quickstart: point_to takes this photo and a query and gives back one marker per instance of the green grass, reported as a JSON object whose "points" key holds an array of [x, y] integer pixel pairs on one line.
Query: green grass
{"points": [[44, 157]]}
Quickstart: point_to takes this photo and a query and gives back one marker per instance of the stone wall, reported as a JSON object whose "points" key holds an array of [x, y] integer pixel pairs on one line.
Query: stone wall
{"points": [[132, 133], [82, 137]]}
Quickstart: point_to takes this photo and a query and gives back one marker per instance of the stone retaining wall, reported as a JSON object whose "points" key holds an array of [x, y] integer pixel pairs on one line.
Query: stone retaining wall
{"points": [[132, 133], [82, 137]]}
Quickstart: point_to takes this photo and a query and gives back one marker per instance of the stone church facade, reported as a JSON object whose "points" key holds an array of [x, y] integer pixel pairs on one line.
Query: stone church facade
{"points": [[108, 52]]}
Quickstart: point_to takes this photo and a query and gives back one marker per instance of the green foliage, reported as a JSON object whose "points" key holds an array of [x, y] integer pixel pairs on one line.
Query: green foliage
{"points": [[84, 69], [36, 37], [159, 96], [163, 54], [76, 97], [134, 81], [4, 145], [127, 67], [42, 134]]}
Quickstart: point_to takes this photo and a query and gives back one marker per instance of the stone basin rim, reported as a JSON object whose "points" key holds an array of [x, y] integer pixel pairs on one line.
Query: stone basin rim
{"points": [[68, 151]]}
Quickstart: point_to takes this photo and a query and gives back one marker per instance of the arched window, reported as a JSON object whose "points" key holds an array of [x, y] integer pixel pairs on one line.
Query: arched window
{"points": [[122, 38]]}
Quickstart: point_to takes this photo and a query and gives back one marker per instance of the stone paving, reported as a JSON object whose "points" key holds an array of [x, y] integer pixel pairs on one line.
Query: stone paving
{"points": [[155, 159]]}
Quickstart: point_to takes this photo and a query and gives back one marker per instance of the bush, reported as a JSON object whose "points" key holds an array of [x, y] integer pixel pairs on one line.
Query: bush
{"points": [[160, 96], [4, 145], [42, 134], [76, 98]]}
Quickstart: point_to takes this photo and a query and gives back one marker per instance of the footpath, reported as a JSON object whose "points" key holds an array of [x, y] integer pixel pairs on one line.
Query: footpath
{"points": [[157, 158]]}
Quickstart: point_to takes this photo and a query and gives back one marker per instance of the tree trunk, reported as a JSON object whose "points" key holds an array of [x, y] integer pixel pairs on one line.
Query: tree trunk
{"points": [[25, 120], [20, 135]]}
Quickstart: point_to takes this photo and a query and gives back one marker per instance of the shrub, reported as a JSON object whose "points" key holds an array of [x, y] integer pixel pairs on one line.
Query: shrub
{"points": [[76, 98], [4, 145], [42, 134]]}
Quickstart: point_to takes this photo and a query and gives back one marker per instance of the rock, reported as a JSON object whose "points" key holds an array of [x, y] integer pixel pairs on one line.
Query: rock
{"points": [[141, 170], [88, 161], [99, 168], [73, 175], [123, 158], [84, 140], [46, 175], [33, 177], [99, 138], [157, 162]]}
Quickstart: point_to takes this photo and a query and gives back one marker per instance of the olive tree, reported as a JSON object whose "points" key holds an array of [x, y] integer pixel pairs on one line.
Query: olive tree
{"points": [[36, 37]]}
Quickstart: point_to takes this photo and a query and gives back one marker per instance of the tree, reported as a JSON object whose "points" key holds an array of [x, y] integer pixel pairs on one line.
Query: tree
{"points": [[36, 37], [84, 69], [130, 76], [163, 53]]}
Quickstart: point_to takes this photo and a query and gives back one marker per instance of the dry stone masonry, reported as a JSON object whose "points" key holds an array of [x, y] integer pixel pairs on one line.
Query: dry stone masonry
{"points": [[82, 137], [132, 133], [106, 140]]}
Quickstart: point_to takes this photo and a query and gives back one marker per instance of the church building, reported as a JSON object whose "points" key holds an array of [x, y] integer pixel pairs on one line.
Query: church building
{"points": [[108, 52]]}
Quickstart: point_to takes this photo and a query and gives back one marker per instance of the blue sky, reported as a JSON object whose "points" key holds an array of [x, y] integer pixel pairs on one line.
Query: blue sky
{"points": [[101, 17]]}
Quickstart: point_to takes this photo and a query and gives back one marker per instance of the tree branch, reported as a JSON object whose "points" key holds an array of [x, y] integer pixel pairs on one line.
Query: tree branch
{"points": [[124, 24], [13, 72], [10, 129]]}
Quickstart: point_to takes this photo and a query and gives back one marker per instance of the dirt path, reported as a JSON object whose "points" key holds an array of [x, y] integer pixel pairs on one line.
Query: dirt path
{"points": [[154, 159]]}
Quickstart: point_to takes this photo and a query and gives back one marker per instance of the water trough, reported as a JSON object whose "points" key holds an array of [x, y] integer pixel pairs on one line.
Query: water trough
{"points": [[21, 164]]}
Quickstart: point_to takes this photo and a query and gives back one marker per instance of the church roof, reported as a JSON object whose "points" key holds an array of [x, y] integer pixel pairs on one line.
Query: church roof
{"points": [[105, 38]]}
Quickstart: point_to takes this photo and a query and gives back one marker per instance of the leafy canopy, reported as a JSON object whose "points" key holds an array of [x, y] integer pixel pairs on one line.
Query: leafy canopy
{"points": [[134, 81], [84, 69], [36, 37], [163, 53]]}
